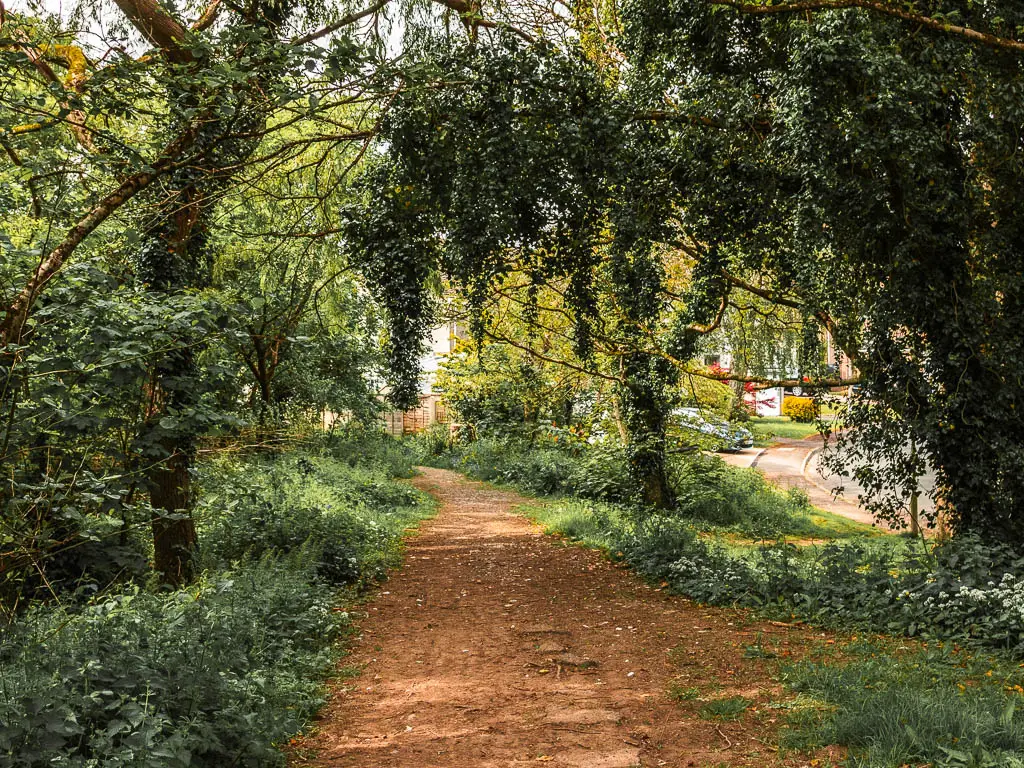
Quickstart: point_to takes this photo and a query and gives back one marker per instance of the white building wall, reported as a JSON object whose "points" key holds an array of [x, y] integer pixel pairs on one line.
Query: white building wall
{"points": [[441, 343]]}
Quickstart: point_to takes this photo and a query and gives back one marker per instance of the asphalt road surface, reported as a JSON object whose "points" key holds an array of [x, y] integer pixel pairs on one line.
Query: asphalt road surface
{"points": [[796, 463], [851, 489]]}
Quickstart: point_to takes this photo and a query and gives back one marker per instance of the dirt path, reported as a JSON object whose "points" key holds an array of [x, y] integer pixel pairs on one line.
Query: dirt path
{"points": [[497, 646]]}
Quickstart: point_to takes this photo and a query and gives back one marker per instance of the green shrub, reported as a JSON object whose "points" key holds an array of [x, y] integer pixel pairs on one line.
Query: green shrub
{"points": [[214, 675], [800, 409], [435, 440], [708, 489], [348, 518], [545, 467], [223, 672], [364, 445]]}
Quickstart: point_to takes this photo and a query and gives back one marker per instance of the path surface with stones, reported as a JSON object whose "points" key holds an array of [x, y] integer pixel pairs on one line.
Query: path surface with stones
{"points": [[495, 645]]}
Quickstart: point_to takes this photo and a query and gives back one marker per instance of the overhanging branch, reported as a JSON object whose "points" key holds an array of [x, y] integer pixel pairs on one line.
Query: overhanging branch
{"points": [[16, 315], [547, 358], [937, 25]]}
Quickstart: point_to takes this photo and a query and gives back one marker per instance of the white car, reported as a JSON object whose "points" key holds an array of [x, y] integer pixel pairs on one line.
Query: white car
{"points": [[726, 436]]}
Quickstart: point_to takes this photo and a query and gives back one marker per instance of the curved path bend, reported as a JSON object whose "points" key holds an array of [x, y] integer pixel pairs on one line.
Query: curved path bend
{"points": [[497, 646]]}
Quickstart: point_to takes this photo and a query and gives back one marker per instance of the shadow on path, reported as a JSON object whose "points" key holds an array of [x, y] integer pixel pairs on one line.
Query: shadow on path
{"points": [[497, 646]]}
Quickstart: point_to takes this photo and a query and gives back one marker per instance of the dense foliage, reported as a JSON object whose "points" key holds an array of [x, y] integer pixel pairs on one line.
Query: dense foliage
{"points": [[163, 276], [216, 674], [836, 162], [868, 174], [224, 671]]}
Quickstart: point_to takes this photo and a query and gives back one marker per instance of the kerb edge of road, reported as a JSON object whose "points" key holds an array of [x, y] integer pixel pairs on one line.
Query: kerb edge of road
{"points": [[807, 476]]}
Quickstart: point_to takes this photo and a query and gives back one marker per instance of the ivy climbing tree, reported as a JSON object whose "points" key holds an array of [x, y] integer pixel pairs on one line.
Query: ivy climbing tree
{"points": [[868, 160], [127, 159], [855, 163], [519, 157]]}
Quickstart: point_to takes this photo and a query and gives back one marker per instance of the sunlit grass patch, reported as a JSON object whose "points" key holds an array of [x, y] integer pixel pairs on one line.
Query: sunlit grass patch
{"points": [[895, 705], [765, 428], [728, 708]]}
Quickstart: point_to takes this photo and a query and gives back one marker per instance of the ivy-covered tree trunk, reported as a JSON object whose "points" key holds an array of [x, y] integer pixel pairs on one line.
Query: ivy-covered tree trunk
{"points": [[174, 258], [645, 409], [644, 393]]}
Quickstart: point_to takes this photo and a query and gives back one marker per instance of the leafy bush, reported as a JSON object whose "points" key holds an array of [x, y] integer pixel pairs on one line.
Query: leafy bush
{"points": [[966, 590], [435, 440], [364, 445], [546, 468], [347, 518], [800, 409], [214, 675], [707, 490], [222, 672]]}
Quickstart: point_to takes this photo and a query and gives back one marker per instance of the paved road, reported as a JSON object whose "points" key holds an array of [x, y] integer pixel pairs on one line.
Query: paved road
{"points": [[784, 464], [851, 489], [796, 463]]}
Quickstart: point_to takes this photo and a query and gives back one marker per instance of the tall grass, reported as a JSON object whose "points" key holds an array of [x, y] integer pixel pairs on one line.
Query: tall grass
{"points": [[932, 706]]}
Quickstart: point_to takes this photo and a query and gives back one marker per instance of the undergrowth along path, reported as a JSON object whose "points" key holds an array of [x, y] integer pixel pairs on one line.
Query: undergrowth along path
{"points": [[495, 645]]}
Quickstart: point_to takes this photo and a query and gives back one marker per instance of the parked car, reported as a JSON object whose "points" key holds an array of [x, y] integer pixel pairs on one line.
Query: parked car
{"points": [[722, 435]]}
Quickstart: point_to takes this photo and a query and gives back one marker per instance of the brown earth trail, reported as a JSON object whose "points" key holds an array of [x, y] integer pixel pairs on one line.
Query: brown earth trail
{"points": [[497, 646]]}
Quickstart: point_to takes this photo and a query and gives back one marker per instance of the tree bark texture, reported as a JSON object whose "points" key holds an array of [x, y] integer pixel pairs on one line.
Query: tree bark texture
{"points": [[174, 531]]}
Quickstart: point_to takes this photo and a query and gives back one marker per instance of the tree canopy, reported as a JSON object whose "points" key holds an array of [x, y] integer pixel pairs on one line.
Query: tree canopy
{"points": [[209, 212], [855, 162]]}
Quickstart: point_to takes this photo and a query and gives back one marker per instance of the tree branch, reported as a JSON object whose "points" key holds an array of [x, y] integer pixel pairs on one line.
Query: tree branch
{"points": [[764, 382], [37, 208], [555, 361], [209, 16], [763, 293], [344, 21], [469, 12], [16, 315], [158, 27], [938, 25], [76, 63]]}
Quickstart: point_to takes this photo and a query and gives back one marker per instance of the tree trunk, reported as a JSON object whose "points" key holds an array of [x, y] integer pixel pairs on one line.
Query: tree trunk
{"points": [[174, 532], [174, 258], [644, 410], [656, 490]]}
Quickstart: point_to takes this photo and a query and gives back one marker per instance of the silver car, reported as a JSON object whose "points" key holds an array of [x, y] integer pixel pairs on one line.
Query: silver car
{"points": [[724, 436]]}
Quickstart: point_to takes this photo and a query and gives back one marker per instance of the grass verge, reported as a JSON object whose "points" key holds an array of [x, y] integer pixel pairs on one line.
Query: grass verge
{"points": [[892, 704], [767, 428]]}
